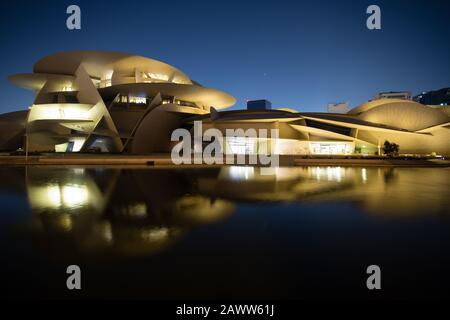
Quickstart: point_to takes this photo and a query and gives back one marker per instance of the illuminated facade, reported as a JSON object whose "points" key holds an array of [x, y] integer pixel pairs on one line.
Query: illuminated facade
{"points": [[106, 102], [416, 128], [89, 101]]}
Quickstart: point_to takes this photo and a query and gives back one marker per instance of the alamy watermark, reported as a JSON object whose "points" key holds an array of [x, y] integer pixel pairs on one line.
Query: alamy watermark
{"points": [[209, 147], [73, 21], [73, 281], [374, 20], [374, 280]]}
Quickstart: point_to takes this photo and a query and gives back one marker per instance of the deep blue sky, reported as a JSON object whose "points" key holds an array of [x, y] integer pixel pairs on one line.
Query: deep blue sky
{"points": [[297, 54]]}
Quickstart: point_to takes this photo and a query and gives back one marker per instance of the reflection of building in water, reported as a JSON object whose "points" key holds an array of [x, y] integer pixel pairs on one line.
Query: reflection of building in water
{"points": [[63, 189], [284, 184], [124, 212], [393, 192], [381, 191], [199, 209], [114, 212]]}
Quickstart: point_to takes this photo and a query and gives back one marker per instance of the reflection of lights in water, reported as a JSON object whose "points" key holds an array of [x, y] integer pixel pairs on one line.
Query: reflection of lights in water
{"points": [[317, 172], [249, 173], [155, 234], [65, 223], [334, 174], [199, 209], [364, 174], [131, 241], [65, 196], [137, 210], [106, 232], [74, 195], [54, 196], [329, 173]]}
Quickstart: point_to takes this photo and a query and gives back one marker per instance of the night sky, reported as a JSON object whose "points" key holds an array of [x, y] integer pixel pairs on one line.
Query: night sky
{"points": [[297, 55]]}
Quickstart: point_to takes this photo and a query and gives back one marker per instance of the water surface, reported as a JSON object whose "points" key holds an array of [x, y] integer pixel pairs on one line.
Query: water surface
{"points": [[230, 232]]}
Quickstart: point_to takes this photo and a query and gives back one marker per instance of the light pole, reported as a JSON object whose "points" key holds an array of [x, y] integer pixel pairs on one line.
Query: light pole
{"points": [[26, 135]]}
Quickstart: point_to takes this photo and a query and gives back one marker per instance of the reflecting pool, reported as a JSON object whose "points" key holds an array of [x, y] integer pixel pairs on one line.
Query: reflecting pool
{"points": [[225, 232]]}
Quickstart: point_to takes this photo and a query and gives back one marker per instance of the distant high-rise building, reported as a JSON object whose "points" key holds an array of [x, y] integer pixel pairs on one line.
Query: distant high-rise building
{"points": [[259, 105], [405, 95], [340, 107], [439, 97]]}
